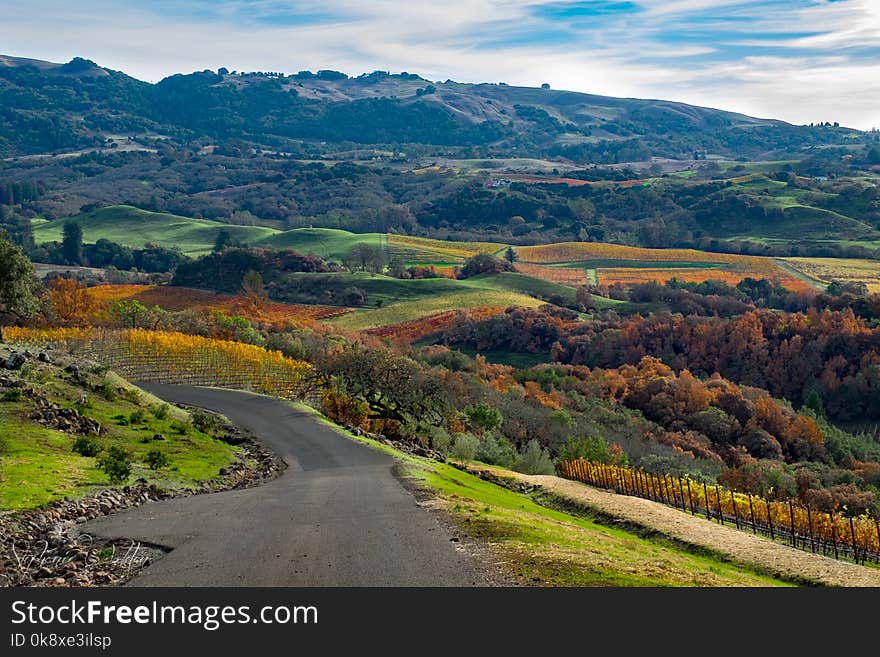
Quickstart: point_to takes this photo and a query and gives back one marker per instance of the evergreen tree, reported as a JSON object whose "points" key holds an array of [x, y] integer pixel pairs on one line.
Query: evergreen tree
{"points": [[72, 244]]}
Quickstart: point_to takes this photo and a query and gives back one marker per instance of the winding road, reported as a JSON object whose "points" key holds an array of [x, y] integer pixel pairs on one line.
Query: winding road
{"points": [[337, 516]]}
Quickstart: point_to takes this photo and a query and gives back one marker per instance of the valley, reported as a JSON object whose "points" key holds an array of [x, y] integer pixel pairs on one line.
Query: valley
{"points": [[512, 306]]}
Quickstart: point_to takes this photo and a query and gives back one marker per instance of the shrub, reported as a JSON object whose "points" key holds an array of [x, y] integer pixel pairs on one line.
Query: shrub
{"points": [[86, 446], [122, 420], [534, 460], [439, 439], [106, 389], [465, 447], [116, 464], [205, 422], [137, 417], [345, 409], [483, 263], [595, 449], [131, 395], [156, 460], [160, 412], [12, 395], [181, 428], [482, 417], [495, 451]]}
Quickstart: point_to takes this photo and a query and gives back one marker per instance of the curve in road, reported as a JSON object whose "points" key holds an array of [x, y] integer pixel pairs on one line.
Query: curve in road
{"points": [[337, 516]]}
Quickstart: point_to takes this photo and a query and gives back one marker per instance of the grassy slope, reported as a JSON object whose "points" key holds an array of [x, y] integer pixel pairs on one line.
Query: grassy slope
{"points": [[406, 300], [548, 547], [134, 227], [39, 465], [803, 218], [326, 243], [811, 223]]}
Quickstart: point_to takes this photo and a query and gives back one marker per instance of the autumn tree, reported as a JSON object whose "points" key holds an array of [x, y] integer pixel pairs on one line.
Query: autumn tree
{"points": [[71, 301], [584, 300], [253, 291]]}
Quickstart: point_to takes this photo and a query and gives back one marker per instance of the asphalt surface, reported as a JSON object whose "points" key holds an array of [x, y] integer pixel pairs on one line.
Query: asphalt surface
{"points": [[337, 516]]}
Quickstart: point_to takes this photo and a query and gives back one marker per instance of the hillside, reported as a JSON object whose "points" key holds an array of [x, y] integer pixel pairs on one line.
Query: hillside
{"points": [[50, 107], [58, 412]]}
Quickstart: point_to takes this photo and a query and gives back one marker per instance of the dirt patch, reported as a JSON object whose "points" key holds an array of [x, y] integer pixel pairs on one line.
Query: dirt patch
{"points": [[755, 551]]}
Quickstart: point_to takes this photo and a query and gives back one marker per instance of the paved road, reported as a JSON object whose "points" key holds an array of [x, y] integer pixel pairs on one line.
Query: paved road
{"points": [[337, 516]]}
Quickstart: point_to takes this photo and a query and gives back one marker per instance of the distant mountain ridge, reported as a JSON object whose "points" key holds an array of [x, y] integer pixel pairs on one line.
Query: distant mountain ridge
{"points": [[50, 107]]}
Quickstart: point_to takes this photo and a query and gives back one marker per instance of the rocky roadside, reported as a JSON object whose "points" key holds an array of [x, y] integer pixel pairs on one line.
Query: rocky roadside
{"points": [[400, 445], [44, 547]]}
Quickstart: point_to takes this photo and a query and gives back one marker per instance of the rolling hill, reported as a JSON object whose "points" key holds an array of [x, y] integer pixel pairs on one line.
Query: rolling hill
{"points": [[50, 107]]}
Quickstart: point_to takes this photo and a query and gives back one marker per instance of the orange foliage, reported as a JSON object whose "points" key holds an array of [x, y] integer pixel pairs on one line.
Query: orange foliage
{"points": [[416, 329], [259, 311], [345, 410], [72, 302]]}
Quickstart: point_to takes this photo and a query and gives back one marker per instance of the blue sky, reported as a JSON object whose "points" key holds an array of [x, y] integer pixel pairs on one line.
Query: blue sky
{"points": [[799, 60]]}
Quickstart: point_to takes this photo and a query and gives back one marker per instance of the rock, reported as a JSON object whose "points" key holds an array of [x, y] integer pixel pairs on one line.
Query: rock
{"points": [[15, 361], [44, 357], [158, 436]]}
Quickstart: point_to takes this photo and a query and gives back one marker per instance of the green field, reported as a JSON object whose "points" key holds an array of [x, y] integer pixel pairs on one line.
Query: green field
{"points": [[134, 228], [327, 243]]}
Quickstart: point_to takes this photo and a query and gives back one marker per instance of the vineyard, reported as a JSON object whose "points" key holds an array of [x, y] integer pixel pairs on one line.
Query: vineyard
{"points": [[166, 357], [628, 277], [417, 329], [802, 527], [838, 269], [425, 250], [272, 314], [693, 266], [571, 276]]}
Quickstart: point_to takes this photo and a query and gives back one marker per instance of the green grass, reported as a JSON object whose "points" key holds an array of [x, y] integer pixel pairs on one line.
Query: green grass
{"points": [[327, 243], [512, 358], [39, 465], [134, 227], [544, 546], [535, 287]]}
